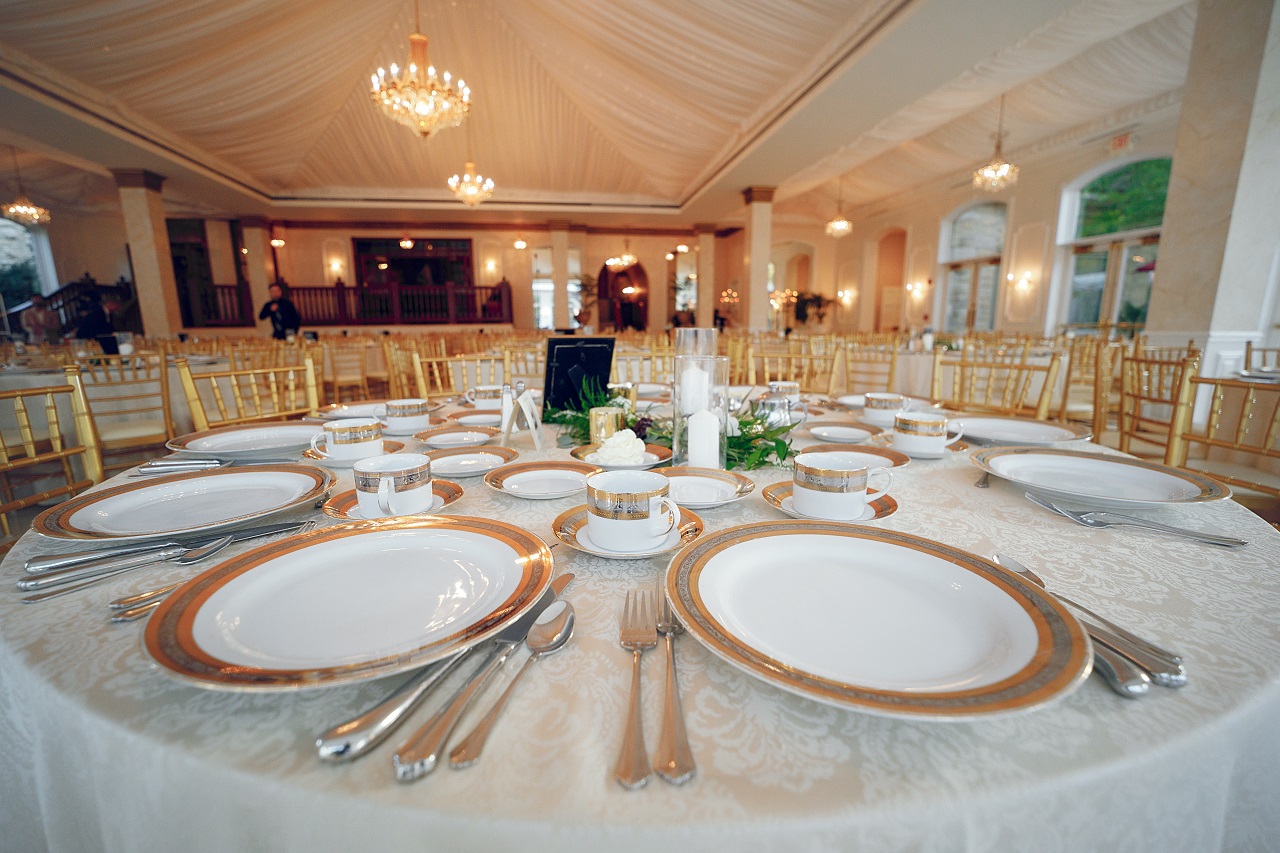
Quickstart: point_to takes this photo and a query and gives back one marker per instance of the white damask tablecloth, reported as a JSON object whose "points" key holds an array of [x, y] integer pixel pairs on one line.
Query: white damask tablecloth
{"points": [[101, 752]]}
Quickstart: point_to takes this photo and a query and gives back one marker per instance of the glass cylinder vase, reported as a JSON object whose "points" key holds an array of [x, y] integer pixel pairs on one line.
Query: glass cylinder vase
{"points": [[695, 341], [699, 411]]}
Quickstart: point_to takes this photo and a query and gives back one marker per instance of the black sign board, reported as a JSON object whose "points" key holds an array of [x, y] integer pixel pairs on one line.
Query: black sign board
{"points": [[570, 361]]}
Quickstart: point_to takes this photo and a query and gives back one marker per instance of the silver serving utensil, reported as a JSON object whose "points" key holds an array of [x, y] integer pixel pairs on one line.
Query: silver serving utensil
{"points": [[674, 758], [1163, 667], [182, 555], [1121, 674], [637, 634], [548, 635], [1102, 519], [419, 755]]}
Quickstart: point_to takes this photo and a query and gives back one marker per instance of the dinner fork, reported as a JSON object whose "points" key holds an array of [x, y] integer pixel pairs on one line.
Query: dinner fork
{"points": [[637, 634], [1101, 520], [674, 758]]}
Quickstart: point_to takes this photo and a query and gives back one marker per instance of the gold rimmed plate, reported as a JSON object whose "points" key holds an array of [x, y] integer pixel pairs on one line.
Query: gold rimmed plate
{"points": [[485, 419], [843, 432], [178, 504], [248, 441], [871, 455], [470, 461], [705, 488], [405, 591], [541, 480], [346, 506], [779, 497], [458, 436], [991, 429], [570, 527], [654, 454], [877, 621], [1097, 480], [388, 447]]}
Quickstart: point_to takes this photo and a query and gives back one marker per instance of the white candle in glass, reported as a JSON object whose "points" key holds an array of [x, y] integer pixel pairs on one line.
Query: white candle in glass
{"points": [[704, 440], [695, 390]]}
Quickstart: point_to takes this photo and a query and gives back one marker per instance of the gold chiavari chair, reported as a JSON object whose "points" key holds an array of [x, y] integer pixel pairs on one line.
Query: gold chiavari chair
{"points": [[656, 368], [868, 368], [1261, 358], [475, 369], [1149, 389], [996, 387], [526, 364], [129, 398], [432, 376], [266, 394], [345, 368], [814, 372], [1239, 443], [40, 445]]}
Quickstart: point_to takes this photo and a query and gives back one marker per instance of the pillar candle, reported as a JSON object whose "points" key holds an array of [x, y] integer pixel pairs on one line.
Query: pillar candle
{"points": [[695, 390], [704, 440]]}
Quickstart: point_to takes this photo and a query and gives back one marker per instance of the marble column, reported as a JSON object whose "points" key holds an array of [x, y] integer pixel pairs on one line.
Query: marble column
{"points": [[708, 295], [148, 235], [255, 236], [757, 248], [560, 271], [1216, 274]]}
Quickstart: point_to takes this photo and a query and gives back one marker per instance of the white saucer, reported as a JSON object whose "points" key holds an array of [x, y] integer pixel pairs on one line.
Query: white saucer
{"points": [[346, 505], [388, 447], [779, 497], [571, 528], [434, 422], [465, 462], [486, 419], [541, 480], [843, 433]]}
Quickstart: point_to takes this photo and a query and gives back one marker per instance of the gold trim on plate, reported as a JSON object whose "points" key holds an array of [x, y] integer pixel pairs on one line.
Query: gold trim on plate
{"points": [[343, 504]]}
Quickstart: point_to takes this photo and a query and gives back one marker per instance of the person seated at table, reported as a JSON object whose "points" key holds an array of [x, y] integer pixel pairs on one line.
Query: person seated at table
{"points": [[285, 319], [93, 324], [40, 323]]}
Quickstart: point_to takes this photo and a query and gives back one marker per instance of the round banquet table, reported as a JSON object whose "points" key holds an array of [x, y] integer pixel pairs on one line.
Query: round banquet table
{"points": [[102, 752]]}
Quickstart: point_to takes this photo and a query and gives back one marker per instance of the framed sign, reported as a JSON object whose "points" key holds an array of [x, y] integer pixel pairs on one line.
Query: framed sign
{"points": [[570, 361]]}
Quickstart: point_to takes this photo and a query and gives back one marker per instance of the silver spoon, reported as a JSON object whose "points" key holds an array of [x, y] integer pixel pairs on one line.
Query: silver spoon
{"points": [[552, 630]]}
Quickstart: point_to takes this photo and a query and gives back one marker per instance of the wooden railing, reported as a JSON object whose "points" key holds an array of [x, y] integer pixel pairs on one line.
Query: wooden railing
{"points": [[344, 305]]}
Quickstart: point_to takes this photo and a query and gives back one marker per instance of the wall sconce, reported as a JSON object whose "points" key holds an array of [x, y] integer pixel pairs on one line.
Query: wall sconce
{"points": [[671, 256], [244, 250], [916, 289], [846, 296], [628, 290], [277, 243], [520, 244], [682, 249], [406, 243], [490, 265], [335, 266], [1023, 283]]}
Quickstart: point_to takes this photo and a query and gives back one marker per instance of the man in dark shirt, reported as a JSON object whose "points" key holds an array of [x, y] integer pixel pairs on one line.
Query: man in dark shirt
{"points": [[285, 320], [93, 324]]}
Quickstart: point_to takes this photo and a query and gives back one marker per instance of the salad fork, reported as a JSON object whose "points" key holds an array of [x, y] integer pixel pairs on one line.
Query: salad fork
{"points": [[637, 634], [674, 758]]}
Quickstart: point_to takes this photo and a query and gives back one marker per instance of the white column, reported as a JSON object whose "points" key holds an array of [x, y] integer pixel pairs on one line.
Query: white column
{"points": [[255, 232], [1218, 244], [708, 292], [560, 271], [756, 251], [148, 235]]}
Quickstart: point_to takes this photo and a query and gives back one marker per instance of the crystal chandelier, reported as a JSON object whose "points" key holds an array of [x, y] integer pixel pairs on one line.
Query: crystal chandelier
{"points": [[470, 188], [23, 210], [623, 261], [415, 96], [839, 227], [999, 173]]}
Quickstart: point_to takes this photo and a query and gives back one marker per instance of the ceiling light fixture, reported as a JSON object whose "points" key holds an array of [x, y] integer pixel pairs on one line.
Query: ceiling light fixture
{"points": [[623, 261], [470, 188], [999, 173], [520, 244], [406, 243], [839, 227], [23, 210], [415, 96]]}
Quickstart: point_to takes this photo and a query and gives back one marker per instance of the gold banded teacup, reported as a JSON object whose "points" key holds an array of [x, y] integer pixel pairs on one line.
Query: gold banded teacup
{"points": [[833, 486], [629, 510]]}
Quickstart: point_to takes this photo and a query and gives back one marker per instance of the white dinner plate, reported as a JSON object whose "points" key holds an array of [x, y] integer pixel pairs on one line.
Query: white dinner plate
{"points": [[484, 419], [780, 496], [541, 480], [571, 528], [466, 462], [868, 455], [248, 441], [1092, 479], [361, 409], [654, 454], [858, 401], [194, 502], [458, 436], [876, 620], [843, 433], [704, 488], [405, 591], [995, 430], [346, 505]]}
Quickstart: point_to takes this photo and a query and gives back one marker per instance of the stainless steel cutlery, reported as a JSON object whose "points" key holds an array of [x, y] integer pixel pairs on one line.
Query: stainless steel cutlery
{"points": [[674, 758], [1102, 519], [637, 634]]}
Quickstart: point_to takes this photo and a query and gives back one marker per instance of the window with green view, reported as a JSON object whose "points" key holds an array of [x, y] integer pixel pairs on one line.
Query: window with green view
{"points": [[1125, 199]]}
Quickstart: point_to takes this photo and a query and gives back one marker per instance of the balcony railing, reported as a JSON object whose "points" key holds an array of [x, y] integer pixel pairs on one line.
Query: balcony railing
{"points": [[344, 305]]}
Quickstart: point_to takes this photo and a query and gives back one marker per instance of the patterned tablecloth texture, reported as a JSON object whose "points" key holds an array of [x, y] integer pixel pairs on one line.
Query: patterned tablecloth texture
{"points": [[101, 752]]}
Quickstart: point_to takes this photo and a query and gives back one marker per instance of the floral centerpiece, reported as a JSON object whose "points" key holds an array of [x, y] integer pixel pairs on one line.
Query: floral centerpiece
{"points": [[751, 442]]}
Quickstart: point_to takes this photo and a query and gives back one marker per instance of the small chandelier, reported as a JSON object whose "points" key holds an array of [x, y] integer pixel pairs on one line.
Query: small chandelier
{"points": [[23, 210], [470, 188], [839, 227], [623, 261], [415, 96], [999, 173]]}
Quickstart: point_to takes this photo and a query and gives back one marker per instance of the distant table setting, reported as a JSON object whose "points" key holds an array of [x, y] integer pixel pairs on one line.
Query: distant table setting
{"points": [[399, 624]]}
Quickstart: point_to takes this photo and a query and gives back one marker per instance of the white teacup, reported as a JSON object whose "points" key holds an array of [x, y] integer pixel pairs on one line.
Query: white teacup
{"points": [[629, 510], [411, 415], [879, 408], [834, 486], [485, 396], [399, 484], [923, 433], [349, 438]]}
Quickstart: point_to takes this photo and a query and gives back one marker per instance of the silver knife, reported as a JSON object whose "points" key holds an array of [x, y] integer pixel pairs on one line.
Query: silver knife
{"points": [[39, 565], [354, 738], [420, 754]]}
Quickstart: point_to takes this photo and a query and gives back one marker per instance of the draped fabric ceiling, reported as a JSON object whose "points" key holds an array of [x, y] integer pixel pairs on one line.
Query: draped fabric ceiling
{"points": [[581, 107]]}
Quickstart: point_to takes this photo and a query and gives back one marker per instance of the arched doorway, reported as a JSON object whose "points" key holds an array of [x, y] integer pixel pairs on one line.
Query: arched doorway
{"points": [[891, 259], [623, 298]]}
